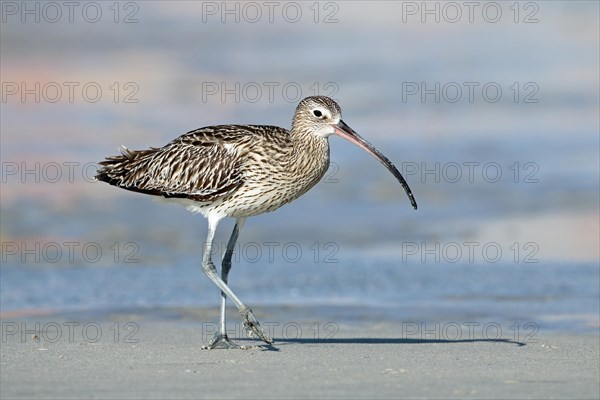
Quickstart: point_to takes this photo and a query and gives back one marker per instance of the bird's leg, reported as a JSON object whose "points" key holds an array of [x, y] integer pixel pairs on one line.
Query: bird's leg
{"points": [[221, 340], [250, 322]]}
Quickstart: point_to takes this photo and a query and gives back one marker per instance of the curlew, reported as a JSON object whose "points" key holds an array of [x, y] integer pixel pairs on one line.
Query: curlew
{"points": [[239, 171]]}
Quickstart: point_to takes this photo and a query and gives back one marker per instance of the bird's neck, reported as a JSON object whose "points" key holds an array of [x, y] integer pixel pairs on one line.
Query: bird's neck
{"points": [[305, 141], [310, 154]]}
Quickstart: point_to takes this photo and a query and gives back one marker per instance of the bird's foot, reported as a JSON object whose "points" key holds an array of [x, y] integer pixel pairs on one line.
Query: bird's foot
{"points": [[253, 327], [222, 341]]}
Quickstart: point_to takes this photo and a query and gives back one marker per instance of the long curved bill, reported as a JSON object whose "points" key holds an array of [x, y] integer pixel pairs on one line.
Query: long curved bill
{"points": [[343, 130]]}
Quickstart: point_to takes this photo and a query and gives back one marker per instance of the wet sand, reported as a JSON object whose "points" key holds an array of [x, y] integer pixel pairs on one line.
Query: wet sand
{"points": [[122, 358]]}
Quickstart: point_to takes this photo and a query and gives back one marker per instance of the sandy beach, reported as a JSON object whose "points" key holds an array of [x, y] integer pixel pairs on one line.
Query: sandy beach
{"points": [[489, 290], [164, 359]]}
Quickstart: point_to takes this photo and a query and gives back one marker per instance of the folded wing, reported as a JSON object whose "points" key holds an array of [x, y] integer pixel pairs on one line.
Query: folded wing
{"points": [[201, 165]]}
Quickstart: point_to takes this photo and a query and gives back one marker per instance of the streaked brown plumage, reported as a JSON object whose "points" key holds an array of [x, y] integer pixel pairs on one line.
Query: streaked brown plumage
{"points": [[239, 171], [220, 167]]}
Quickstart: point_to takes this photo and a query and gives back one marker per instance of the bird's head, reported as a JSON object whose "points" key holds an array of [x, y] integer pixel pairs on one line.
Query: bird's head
{"points": [[317, 115], [322, 117]]}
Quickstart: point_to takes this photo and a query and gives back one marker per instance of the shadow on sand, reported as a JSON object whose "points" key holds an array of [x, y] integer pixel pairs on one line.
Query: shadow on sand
{"points": [[274, 346]]}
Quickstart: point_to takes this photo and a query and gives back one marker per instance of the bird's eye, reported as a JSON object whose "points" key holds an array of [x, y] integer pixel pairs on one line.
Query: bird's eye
{"points": [[317, 113]]}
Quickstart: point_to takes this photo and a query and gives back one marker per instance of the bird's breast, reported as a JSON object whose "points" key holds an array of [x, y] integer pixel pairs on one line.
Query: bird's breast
{"points": [[277, 178]]}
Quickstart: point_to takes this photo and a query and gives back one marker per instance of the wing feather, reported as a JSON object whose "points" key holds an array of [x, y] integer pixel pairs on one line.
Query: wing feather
{"points": [[201, 165]]}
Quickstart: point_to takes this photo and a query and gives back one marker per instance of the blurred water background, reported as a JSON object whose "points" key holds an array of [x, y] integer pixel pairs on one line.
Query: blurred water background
{"points": [[491, 113]]}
